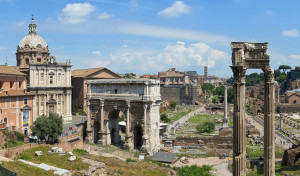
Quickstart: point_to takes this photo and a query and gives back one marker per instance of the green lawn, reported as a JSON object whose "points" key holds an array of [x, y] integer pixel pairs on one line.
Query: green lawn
{"points": [[53, 160], [179, 115], [23, 169], [204, 118], [14, 144]]}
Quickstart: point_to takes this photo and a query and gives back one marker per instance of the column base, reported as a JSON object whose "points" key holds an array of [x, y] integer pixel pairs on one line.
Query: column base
{"points": [[145, 146], [88, 138], [102, 136], [128, 144]]}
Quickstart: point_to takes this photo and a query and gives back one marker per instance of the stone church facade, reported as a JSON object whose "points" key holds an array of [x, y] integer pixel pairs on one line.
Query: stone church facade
{"points": [[49, 80]]}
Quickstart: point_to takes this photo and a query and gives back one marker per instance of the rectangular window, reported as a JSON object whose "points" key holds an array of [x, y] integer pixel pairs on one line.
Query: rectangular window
{"points": [[39, 59], [25, 101], [116, 91], [27, 61], [1, 84], [20, 84], [11, 84]]}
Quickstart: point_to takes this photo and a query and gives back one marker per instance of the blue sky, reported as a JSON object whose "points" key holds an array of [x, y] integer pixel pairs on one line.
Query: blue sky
{"points": [[147, 36]]}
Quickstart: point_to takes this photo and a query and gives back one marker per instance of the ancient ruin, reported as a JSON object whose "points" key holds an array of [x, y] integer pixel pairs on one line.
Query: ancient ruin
{"points": [[137, 100], [252, 55]]}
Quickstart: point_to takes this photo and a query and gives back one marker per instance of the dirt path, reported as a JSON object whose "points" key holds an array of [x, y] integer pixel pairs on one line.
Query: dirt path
{"points": [[2, 158]]}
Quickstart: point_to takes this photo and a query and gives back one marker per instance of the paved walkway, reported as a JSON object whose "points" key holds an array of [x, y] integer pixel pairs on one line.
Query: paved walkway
{"points": [[222, 169], [185, 118]]}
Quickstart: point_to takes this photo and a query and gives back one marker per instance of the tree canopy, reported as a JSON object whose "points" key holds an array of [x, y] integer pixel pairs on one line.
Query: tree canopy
{"points": [[284, 68], [207, 86], [48, 127]]}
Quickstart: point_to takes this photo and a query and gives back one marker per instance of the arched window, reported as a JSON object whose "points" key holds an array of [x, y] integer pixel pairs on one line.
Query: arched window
{"points": [[5, 119]]}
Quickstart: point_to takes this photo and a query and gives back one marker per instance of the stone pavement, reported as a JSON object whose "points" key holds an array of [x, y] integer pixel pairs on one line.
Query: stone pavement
{"points": [[222, 169]]}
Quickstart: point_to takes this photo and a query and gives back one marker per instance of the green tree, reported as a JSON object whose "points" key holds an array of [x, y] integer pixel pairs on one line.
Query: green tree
{"points": [[207, 86], [219, 91], [284, 68], [206, 127], [164, 118], [48, 127], [194, 170], [215, 99], [280, 79]]}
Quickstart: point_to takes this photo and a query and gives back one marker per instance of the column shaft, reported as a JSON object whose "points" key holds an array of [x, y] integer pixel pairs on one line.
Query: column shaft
{"points": [[269, 127], [239, 124], [225, 120], [128, 142]]}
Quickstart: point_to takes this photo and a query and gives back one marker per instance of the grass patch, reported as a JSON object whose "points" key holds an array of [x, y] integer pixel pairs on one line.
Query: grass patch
{"points": [[23, 169], [79, 152], [179, 115], [12, 144], [53, 160], [204, 118], [130, 160], [115, 166], [294, 169]]}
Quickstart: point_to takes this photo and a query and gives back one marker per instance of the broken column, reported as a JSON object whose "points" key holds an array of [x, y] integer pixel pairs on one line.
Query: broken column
{"points": [[269, 126]]}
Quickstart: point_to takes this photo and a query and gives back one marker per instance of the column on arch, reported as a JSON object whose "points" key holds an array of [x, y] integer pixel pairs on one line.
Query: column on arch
{"points": [[128, 138], [102, 132]]}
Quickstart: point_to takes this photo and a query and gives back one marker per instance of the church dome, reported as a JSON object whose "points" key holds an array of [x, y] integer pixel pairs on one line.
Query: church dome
{"points": [[32, 39]]}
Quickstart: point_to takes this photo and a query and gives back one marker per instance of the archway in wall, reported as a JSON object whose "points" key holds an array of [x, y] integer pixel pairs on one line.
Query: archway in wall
{"points": [[113, 126], [297, 159], [138, 137], [96, 131]]}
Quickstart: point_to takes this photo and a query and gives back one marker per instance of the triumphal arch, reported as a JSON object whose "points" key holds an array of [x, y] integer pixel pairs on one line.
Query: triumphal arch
{"points": [[252, 55], [135, 100]]}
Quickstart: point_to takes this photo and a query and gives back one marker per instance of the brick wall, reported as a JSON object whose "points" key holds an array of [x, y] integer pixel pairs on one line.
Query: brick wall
{"points": [[171, 94]]}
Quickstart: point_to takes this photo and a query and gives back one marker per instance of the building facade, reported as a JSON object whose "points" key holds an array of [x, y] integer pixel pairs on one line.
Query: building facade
{"points": [[49, 80], [138, 99], [17, 106], [79, 80]]}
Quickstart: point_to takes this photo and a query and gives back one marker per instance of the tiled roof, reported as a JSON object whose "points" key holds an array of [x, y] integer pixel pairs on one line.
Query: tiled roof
{"points": [[13, 92], [83, 73], [10, 70]]}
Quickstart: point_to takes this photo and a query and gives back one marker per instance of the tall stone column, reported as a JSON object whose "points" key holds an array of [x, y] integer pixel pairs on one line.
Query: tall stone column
{"points": [[239, 123], [225, 119], [89, 128], [145, 147], [102, 133], [128, 138], [269, 126]]}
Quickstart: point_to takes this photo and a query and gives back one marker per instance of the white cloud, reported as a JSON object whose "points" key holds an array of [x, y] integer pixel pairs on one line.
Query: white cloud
{"points": [[76, 13], [269, 12], [105, 15], [177, 9], [97, 53], [179, 55], [294, 56], [124, 46], [290, 33]]}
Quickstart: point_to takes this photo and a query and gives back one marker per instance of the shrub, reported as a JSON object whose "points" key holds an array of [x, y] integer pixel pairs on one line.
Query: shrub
{"points": [[81, 112], [215, 99], [164, 118], [206, 127], [173, 104], [194, 170], [20, 136], [130, 160], [79, 151]]}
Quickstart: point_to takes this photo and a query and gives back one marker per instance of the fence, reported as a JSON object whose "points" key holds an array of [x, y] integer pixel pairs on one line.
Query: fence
{"points": [[6, 172]]}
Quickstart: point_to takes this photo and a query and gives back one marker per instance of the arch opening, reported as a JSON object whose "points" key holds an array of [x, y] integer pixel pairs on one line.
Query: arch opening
{"points": [[138, 137]]}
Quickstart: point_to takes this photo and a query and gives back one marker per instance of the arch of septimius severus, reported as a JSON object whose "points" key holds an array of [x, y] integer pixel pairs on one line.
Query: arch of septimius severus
{"points": [[252, 55]]}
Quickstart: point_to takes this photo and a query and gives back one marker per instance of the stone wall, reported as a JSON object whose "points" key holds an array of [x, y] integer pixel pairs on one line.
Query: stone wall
{"points": [[216, 140], [290, 155], [171, 94], [287, 108]]}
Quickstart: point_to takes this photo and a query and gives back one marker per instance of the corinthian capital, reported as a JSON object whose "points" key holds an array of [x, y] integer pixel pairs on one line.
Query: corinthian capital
{"points": [[268, 74], [239, 74]]}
